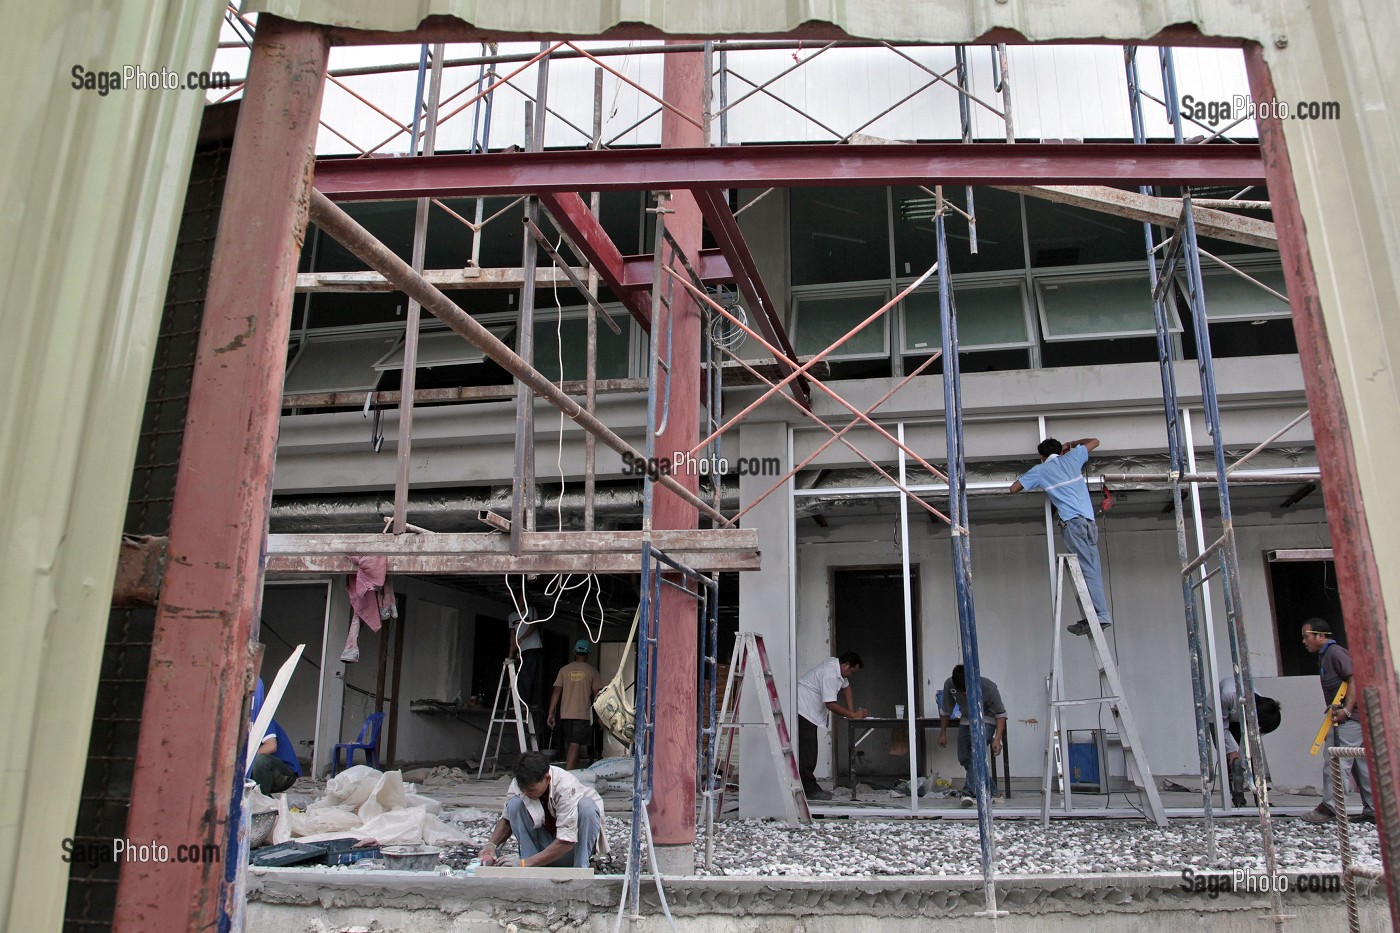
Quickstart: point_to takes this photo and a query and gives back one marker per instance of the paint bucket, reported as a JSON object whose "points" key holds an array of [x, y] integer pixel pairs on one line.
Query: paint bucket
{"points": [[899, 711], [411, 858]]}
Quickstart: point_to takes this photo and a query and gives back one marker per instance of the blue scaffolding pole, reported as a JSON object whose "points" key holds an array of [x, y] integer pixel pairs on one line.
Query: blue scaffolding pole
{"points": [[1176, 450], [962, 561], [1183, 250]]}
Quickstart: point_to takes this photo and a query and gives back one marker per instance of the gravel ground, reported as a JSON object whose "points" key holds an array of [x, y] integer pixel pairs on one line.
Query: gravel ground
{"points": [[842, 848], [854, 848]]}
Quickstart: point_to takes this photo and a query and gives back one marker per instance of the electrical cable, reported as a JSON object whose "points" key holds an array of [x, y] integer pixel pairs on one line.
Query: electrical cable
{"points": [[262, 623]]}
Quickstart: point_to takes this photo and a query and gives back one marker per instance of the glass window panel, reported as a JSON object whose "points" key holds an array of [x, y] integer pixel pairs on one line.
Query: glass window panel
{"points": [[988, 316], [441, 348], [613, 350], [999, 246], [839, 235], [821, 320], [338, 362], [1061, 235], [1073, 309], [1231, 298]]}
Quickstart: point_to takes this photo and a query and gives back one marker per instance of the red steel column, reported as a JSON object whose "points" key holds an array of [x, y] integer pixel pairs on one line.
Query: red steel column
{"points": [[673, 803], [188, 759], [1358, 577]]}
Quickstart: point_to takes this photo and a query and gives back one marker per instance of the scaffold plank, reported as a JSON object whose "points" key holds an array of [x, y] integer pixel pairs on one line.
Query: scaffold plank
{"points": [[1237, 228], [709, 551]]}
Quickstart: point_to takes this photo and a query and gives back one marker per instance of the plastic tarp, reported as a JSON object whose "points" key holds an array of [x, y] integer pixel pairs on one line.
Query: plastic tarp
{"points": [[367, 804]]}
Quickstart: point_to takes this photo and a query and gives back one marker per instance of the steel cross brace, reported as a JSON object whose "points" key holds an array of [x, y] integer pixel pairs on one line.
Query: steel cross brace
{"points": [[833, 394], [838, 436], [725, 229]]}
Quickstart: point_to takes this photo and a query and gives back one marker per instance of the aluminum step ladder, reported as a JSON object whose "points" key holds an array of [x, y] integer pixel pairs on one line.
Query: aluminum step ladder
{"points": [[749, 650], [508, 709], [1056, 751]]}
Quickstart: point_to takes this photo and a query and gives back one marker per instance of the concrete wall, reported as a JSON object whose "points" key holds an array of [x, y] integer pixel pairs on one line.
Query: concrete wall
{"points": [[1013, 599], [438, 653]]}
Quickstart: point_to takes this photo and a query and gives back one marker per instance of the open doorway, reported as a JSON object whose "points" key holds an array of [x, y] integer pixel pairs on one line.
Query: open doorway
{"points": [[867, 617]]}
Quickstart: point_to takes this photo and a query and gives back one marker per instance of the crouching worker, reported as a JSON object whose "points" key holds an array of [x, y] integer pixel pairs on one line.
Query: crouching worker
{"points": [[275, 768], [556, 819]]}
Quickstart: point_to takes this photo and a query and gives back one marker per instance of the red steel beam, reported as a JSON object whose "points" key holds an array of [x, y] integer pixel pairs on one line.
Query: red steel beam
{"points": [[725, 229], [672, 809], [712, 267], [786, 166], [587, 236], [1358, 576], [189, 760]]}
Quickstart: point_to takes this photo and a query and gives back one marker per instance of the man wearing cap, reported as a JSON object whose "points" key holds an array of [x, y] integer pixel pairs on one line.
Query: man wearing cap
{"points": [[577, 685], [1334, 669]]}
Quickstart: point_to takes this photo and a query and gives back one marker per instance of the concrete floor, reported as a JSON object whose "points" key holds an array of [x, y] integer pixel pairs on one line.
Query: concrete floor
{"points": [[859, 869]]}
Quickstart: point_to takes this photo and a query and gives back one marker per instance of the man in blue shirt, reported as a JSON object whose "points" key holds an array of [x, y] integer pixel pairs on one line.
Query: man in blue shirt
{"points": [[1061, 475], [275, 768]]}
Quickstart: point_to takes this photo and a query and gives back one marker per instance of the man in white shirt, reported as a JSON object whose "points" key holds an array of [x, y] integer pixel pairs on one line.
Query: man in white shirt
{"points": [[556, 819], [817, 691], [526, 645]]}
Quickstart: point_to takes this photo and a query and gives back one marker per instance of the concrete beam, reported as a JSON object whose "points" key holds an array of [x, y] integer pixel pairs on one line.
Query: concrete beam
{"points": [[636, 273], [1221, 225], [447, 279]]}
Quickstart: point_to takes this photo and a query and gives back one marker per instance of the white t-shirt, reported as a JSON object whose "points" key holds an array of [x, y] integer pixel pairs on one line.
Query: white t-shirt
{"points": [[818, 687], [565, 794]]}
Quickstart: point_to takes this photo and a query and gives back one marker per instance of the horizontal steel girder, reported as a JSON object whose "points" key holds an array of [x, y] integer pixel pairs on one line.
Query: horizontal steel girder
{"points": [[520, 173], [709, 551]]}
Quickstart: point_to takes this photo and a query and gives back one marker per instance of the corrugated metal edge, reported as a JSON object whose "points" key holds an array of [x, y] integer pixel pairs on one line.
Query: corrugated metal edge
{"points": [[944, 21], [93, 187]]}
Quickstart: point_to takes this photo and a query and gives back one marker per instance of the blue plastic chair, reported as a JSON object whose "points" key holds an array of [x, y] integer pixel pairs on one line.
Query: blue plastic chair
{"points": [[367, 741]]}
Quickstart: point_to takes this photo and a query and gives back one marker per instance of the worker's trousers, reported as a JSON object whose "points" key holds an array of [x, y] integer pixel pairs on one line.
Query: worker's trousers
{"points": [[1081, 537], [533, 840], [1347, 735]]}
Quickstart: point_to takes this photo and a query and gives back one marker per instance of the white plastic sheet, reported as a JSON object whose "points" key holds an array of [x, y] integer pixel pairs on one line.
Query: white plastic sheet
{"points": [[367, 804]]}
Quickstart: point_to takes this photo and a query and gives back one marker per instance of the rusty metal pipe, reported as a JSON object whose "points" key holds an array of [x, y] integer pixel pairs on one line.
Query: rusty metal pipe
{"points": [[359, 241]]}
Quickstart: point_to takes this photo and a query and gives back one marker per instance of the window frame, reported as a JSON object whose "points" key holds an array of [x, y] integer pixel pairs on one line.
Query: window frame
{"points": [[825, 292], [971, 281], [1080, 275]]}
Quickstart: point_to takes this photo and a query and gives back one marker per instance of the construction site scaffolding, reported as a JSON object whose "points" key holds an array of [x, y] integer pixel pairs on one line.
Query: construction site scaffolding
{"points": [[1182, 250]]}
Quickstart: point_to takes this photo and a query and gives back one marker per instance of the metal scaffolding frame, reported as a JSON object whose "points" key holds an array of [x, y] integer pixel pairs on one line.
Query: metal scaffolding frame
{"points": [[1182, 249], [547, 177]]}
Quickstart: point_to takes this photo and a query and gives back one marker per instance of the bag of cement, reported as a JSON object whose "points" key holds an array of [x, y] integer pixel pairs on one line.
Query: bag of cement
{"points": [[611, 769], [386, 794], [352, 787]]}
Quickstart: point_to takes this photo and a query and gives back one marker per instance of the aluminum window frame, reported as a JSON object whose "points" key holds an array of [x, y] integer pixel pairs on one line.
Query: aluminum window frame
{"points": [[972, 281], [1105, 272], [827, 291]]}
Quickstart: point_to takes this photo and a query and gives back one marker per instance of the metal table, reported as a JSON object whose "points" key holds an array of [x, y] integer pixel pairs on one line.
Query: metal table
{"points": [[871, 723]]}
